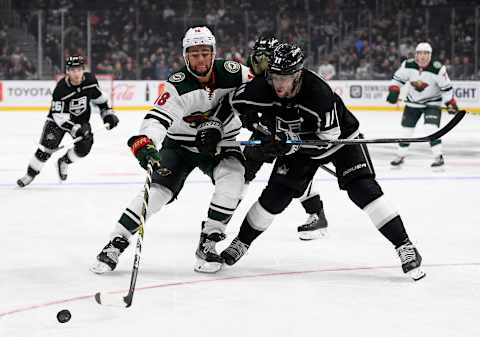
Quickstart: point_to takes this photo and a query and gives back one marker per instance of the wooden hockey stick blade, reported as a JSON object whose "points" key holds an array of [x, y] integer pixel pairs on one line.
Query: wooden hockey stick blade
{"points": [[436, 135], [112, 300]]}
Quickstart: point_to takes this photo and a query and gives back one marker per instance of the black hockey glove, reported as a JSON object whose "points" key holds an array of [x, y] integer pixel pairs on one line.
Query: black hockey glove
{"points": [[110, 118], [278, 146], [82, 130], [452, 107], [144, 150], [209, 134]]}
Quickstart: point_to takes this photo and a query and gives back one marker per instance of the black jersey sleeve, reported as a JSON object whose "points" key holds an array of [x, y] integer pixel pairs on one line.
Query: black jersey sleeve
{"points": [[97, 96], [253, 102], [337, 123]]}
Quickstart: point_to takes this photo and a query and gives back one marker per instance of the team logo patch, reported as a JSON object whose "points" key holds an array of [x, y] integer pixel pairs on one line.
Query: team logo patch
{"points": [[78, 105], [437, 64], [177, 77], [419, 85], [232, 67]]}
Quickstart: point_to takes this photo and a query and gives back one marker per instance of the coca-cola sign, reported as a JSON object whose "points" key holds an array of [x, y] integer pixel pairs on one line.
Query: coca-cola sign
{"points": [[123, 91]]}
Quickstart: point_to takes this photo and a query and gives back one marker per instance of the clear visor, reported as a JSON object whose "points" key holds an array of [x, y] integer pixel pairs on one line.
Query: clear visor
{"points": [[259, 64], [423, 57], [259, 56], [203, 50], [279, 78], [75, 68]]}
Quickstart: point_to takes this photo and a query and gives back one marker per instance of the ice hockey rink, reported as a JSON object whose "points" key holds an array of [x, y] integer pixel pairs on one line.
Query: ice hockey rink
{"points": [[348, 284]]}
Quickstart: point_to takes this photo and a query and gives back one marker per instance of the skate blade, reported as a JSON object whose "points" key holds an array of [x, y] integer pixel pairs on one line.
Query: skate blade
{"points": [[438, 168], [312, 235], [416, 274], [100, 268], [203, 266]]}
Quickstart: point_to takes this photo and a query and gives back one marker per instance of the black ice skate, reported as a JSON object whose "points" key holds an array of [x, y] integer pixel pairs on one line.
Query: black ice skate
{"points": [[62, 168], [397, 161], [314, 228], [208, 260], [234, 252], [411, 261], [438, 161], [25, 180], [108, 258]]}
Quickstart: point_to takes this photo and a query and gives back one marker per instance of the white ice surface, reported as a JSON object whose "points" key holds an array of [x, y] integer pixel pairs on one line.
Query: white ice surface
{"points": [[349, 284]]}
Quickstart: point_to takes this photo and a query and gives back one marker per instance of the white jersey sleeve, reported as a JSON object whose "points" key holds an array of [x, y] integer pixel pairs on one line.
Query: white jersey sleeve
{"points": [[445, 85], [167, 109], [401, 76]]}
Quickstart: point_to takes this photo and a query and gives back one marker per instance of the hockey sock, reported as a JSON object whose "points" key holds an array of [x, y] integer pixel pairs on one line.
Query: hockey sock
{"points": [[32, 172], [395, 232], [247, 233]]}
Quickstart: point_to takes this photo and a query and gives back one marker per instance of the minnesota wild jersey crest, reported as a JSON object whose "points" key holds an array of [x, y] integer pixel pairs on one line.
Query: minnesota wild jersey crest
{"points": [[196, 118]]}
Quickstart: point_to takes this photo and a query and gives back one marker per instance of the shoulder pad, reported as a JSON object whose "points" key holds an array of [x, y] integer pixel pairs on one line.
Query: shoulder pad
{"points": [[410, 63], [183, 82], [88, 78]]}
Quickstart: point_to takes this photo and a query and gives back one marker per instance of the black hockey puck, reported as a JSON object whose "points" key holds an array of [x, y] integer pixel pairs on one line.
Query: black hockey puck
{"points": [[63, 316]]}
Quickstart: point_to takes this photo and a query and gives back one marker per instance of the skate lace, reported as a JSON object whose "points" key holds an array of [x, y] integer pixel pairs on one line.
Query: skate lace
{"points": [[237, 248], [209, 246], [26, 179], [406, 253], [312, 219], [112, 253]]}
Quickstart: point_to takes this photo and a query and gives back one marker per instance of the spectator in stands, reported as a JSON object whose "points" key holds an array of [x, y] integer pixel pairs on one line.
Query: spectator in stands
{"points": [[327, 70]]}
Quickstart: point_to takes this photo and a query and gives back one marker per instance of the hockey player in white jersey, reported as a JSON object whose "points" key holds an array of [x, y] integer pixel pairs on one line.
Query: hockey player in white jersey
{"points": [[182, 132], [429, 87]]}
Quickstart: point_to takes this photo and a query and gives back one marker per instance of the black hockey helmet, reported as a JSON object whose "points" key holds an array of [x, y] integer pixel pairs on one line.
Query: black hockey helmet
{"points": [[74, 61], [261, 52], [286, 59], [264, 46]]}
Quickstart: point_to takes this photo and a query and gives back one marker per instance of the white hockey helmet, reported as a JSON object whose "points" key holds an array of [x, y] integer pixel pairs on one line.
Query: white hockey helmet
{"points": [[198, 36], [424, 46]]}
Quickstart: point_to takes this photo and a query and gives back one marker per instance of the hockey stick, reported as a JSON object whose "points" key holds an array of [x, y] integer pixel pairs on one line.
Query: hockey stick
{"points": [[328, 170], [436, 135], [105, 126], [113, 299]]}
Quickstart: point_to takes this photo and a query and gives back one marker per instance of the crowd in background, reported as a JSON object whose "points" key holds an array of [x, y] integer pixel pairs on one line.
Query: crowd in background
{"points": [[141, 39], [14, 65]]}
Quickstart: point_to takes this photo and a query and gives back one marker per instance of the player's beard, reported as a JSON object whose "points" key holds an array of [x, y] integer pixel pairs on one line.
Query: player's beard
{"points": [[203, 71]]}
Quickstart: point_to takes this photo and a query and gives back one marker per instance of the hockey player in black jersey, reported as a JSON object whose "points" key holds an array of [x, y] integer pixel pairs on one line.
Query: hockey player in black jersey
{"points": [[70, 113], [316, 224], [295, 103]]}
